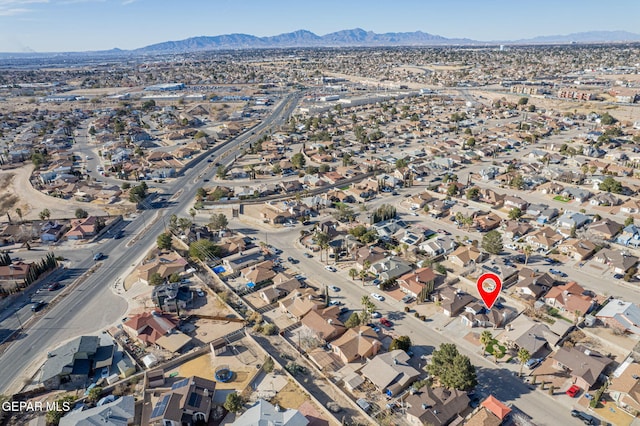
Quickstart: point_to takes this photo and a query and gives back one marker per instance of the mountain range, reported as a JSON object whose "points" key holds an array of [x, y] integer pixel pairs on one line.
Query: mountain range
{"points": [[359, 37]]}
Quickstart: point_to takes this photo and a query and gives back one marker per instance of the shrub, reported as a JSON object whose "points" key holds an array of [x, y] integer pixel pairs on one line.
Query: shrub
{"points": [[269, 330], [417, 315], [407, 309]]}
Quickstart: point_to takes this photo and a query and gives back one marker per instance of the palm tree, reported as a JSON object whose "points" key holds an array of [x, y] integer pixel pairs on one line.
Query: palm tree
{"points": [[523, 357], [485, 338], [467, 221], [19, 213], [527, 252], [363, 274], [353, 273], [192, 213]]}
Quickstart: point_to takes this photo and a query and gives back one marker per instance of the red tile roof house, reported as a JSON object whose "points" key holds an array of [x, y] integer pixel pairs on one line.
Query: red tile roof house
{"points": [[83, 228], [148, 327], [568, 298], [418, 283], [14, 271]]}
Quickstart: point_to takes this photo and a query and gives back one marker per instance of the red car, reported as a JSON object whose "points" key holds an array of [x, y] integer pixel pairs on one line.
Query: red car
{"points": [[53, 286], [573, 391], [386, 322]]}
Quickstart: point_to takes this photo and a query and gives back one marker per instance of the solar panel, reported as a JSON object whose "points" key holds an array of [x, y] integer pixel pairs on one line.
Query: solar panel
{"points": [[160, 407], [180, 384], [194, 399]]}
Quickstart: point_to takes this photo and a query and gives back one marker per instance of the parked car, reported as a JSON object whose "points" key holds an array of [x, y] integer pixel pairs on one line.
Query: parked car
{"points": [[330, 268], [586, 419], [377, 297], [334, 288], [618, 276], [386, 322], [407, 299], [573, 391], [375, 282], [376, 315], [533, 363], [308, 255], [558, 273], [374, 327], [199, 292]]}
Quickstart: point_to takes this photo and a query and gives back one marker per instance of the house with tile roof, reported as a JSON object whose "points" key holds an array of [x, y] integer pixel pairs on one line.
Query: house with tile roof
{"points": [[436, 406], [577, 248], [418, 283], [624, 389], [356, 344], [569, 299], [497, 407], [465, 255], [83, 228], [585, 366], [620, 261], [324, 324], [164, 263]]}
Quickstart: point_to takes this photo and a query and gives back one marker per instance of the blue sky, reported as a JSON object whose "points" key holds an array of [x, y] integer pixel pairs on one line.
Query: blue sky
{"points": [[77, 25]]}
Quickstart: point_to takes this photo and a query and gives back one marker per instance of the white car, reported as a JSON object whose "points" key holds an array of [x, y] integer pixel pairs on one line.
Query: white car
{"points": [[334, 288], [330, 268], [376, 315], [377, 297]]}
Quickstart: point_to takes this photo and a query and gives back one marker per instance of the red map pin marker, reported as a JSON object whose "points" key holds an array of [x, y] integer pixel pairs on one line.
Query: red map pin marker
{"points": [[489, 286]]}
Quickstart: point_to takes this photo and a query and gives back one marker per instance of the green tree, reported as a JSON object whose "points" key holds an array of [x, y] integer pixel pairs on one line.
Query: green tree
{"points": [[628, 221], [233, 402], [523, 101], [221, 172], [523, 357], [401, 342], [174, 278], [155, 279], [44, 214], [452, 190], [298, 161], [353, 321], [607, 119], [492, 242], [517, 181], [473, 193], [204, 250], [218, 221], [94, 394], [609, 184], [527, 250], [515, 213], [201, 194], [164, 241], [454, 370], [64, 405], [353, 273], [401, 163], [368, 307], [81, 213], [485, 339], [471, 142]]}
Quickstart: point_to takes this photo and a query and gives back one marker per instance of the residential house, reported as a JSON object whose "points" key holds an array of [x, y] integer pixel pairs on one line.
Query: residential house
{"points": [[514, 229], [578, 194], [512, 201], [164, 263], [534, 210], [259, 273], [570, 299], [532, 285], [83, 228], [71, 364], [573, 220], [606, 229], [631, 206], [624, 388], [436, 406], [489, 196], [630, 236], [488, 222], [624, 316], [390, 268], [324, 324], [390, 372], [156, 328], [453, 300], [356, 343], [545, 238], [280, 289], [51, 231], [438, 246], [300, 303], [187, 403], [243, 259], [496, 407], [547, 215], [439, 208], [585, 366], [15, 271], [604, 199], [262, 413], [618, 260], [418, 284], [418, 201], [535, 337], [172, 297], [119, 412], [477, 315], [465, 255], [368, 255], [550, 188], [576, 248]]}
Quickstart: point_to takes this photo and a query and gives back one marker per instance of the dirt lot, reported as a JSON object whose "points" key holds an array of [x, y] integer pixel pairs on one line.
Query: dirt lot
{"points": [[291, 396], [16, 192]]}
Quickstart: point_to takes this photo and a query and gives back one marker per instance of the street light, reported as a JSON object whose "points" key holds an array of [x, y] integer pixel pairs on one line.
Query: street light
{"points": [[18, 318]]}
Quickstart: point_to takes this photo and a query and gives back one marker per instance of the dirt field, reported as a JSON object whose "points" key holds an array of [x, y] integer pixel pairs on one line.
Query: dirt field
{"points": [[291, 396], [16, 192]]}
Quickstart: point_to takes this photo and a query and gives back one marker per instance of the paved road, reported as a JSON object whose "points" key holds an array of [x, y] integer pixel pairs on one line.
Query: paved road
{"points": [[494, 379], [93, 305]]}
